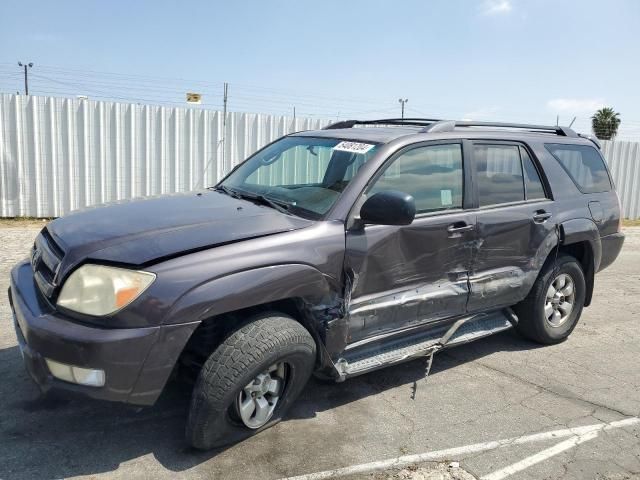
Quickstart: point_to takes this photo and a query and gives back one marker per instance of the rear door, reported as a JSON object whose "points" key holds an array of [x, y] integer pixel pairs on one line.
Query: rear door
{"points": [[515, 227]]}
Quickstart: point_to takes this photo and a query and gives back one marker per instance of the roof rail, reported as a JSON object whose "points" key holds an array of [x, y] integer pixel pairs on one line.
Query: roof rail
{"points": [[593, 139], [450, 125], [432, 125], [419, 122], [441, 126]]}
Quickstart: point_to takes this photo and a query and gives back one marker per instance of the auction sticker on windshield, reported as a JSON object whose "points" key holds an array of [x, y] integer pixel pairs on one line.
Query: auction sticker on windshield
{"points": [[353, 147]]}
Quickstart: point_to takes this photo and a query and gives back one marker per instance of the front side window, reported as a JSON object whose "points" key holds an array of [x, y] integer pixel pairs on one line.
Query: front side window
{"points": [[499, 171], [584, 165], [304, 174], [431, 174]]}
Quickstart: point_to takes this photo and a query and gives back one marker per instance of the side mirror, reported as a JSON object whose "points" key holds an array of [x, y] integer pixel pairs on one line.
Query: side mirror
{"points": [[389, 207]]}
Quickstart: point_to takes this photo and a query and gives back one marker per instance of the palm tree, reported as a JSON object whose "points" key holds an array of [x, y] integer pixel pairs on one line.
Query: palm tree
{"points": [[605, 123]]}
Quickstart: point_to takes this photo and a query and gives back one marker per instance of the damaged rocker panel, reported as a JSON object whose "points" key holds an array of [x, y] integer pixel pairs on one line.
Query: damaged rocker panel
{"points": [[465, 329]]}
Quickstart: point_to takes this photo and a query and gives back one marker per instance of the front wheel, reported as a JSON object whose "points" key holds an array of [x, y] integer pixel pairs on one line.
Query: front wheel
{"points": [[250, 381], [553, 307]]}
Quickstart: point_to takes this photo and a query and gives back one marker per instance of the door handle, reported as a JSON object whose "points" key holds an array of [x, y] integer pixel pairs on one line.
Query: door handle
{"points": [[541, 216], [459, 227]]}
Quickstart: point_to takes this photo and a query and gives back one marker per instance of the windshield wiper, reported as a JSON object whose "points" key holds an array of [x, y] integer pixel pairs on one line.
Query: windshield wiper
{"points": [[279, 205], [228, 191]]}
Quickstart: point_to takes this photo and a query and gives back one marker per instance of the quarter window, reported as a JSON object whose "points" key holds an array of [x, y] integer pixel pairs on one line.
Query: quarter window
{"points": [[533, 185], [432, 175], [499, 171], [584, 165]]}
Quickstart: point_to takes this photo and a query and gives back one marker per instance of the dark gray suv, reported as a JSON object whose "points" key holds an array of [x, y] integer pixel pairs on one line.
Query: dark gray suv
{"points": [[337, 251]]}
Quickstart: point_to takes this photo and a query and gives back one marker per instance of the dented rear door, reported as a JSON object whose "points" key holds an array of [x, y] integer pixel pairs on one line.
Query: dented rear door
{"points": [[515, 224]]}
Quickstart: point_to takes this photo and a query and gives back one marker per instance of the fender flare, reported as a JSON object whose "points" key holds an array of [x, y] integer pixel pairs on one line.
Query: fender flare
{"points": [[581, 230], [250, 288]]}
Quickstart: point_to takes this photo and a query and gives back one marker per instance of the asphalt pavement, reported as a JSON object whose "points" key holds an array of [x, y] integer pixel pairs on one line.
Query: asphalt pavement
{"points": [[489, 406]]}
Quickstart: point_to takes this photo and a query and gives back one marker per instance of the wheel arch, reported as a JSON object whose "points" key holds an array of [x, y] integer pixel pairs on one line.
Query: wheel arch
{"points": [[580, 238], [223, 305]]}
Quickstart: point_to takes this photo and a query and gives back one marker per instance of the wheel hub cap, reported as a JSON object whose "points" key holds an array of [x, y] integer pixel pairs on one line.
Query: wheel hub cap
{"points": [[257, 401], [560, 300]]}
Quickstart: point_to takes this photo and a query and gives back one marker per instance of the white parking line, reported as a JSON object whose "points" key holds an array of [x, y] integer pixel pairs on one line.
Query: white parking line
{"points": [[579, 434], [540, 456]]}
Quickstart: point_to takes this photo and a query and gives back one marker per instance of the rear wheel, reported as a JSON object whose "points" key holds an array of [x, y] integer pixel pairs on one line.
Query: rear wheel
{"points": [[250, 381], [553, 307], [560, 300]]}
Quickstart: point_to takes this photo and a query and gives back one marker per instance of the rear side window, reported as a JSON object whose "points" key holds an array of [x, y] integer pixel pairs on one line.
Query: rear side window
{"points": [[533, 185], [584, 165], [499, 170]]}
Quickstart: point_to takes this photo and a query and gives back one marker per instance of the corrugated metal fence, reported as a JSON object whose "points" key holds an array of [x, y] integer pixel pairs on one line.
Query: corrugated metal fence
{"points": [[623, 159], [57, 155]]}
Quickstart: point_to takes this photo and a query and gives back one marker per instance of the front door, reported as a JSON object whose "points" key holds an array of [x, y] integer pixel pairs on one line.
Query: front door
{"points": [[514, 223], [408, 275]]}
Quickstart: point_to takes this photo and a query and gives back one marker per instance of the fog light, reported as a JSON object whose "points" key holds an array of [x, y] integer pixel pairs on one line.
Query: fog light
{"points": [[79, 375]]}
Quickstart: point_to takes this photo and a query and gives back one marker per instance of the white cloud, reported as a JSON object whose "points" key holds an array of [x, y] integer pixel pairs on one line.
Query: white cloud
{"points": [[575, 105], [496, 7]]}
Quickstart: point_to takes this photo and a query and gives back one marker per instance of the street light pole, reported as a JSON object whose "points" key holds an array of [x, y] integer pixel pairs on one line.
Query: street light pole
{"points": [[402, 102], [26, 79]]}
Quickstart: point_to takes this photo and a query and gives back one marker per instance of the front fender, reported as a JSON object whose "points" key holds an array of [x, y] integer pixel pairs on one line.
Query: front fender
{"points": [[253, 287], [223, 295]]}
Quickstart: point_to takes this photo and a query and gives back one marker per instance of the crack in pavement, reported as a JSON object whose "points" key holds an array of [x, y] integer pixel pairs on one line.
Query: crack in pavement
{"points": [[549, 389]]}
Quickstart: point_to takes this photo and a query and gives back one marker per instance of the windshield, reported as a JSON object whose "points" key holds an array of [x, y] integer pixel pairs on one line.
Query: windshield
{"points": [[303, 175]]}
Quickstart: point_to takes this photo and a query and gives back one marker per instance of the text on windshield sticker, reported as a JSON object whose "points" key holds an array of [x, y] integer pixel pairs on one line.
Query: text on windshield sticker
{"points": [[353, 147]]}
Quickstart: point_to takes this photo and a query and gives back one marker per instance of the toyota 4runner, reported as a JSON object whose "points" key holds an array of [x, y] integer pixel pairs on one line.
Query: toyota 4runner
{"points": [[338, 251]]}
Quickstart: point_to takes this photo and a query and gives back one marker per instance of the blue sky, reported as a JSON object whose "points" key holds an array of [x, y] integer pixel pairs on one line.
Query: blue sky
{"points": [[512, 60]]}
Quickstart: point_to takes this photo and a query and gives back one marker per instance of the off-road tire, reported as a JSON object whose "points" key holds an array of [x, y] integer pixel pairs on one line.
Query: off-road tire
{"points": [[263, 341], [532, 322]]}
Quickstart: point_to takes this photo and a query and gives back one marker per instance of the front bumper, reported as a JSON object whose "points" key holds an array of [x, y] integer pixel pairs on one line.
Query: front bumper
{"points": [[137, 361]]}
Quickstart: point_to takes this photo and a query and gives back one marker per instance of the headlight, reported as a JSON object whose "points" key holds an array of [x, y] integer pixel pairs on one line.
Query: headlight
{"points": [[100, 290]]}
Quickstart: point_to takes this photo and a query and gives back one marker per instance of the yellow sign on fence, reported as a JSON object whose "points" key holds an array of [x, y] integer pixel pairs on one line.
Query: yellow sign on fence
{"points": [[194, 97]]}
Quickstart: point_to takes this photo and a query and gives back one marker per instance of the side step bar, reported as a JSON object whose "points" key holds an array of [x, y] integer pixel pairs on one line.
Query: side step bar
{"points": [[464, 330]]}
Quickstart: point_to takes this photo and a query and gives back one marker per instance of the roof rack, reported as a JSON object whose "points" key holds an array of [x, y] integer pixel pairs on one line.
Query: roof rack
{"points": [[418, 122], [432, 125], [450, 125]]}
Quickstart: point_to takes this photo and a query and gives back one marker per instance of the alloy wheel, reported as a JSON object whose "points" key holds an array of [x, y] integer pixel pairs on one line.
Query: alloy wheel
{"points": [[257, 401], [560, 300]]}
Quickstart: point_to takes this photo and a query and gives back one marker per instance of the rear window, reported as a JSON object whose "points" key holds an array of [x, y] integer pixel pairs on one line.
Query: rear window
{"points": [[584, 165]]}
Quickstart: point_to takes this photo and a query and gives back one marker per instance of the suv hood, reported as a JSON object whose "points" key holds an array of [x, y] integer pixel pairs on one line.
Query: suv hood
{"points": [[142, 231]]}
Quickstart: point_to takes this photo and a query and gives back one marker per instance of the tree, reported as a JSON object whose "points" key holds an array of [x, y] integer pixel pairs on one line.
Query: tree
{"points": [[605, 123]]}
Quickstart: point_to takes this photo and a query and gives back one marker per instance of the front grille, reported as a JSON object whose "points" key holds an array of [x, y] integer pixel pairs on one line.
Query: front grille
{"points": [[46, 257]]}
